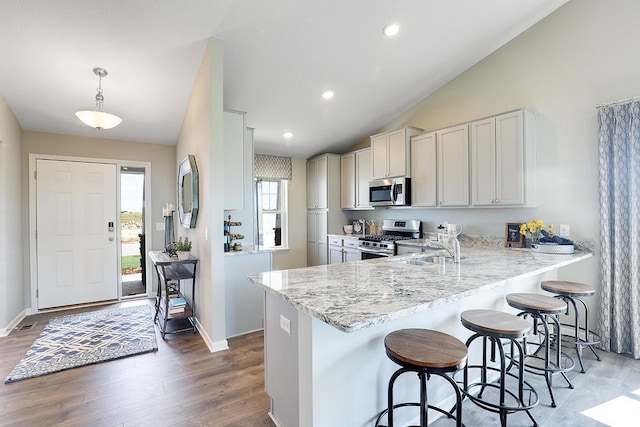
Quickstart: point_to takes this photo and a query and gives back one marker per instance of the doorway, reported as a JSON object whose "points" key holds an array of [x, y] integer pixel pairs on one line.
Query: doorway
{"points": [[58, 257], [132, 236]]}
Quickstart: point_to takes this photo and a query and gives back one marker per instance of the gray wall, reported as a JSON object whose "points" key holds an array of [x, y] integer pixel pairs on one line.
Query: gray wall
{"points": [[11, 241]]}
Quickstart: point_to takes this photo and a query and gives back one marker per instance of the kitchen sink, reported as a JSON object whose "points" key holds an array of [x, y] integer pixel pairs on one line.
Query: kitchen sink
{"points": [[427, 260]]}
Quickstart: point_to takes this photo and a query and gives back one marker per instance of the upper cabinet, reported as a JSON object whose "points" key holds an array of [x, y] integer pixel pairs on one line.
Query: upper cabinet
{"points": [[235, 148], [424, 170], [487, 162], [348, 181], [453, 166], [391, 152], [317, 179], [503, 160], [355, 174]]}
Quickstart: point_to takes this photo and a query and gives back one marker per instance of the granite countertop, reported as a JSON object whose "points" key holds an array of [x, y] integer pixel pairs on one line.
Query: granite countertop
{"points": [[249, 250], [356, 295]]}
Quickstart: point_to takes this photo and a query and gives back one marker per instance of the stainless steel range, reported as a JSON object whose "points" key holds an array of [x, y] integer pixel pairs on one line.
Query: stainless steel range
{"points": [[383, 245]]}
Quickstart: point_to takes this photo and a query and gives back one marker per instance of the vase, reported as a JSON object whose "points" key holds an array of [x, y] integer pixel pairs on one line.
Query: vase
{"points": [[183, 254], [533, 239]]}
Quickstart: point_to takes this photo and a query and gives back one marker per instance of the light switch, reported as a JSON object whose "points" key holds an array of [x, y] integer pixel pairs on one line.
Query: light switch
{"points": [[159, 226]]}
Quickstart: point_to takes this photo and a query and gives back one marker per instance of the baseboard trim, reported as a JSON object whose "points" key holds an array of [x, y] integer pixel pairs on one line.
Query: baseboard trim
{"points": [[213, 346], [274, 419], [15, 322]]}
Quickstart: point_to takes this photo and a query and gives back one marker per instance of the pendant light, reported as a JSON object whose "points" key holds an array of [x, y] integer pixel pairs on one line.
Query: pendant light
{"points": [[97, 118]]}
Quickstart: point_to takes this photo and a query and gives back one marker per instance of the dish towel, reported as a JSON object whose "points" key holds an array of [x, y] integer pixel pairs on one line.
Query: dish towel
{"points": [[547, 238]]}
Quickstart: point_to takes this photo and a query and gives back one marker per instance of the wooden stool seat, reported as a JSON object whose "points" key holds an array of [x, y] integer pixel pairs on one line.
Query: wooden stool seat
{"points": [[571, 289], [423, 348], [496, 323], [540, 303], [426, 353]]}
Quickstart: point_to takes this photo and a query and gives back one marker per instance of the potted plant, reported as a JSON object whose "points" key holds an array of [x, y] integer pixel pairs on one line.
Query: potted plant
{"points": [[183, 247]]}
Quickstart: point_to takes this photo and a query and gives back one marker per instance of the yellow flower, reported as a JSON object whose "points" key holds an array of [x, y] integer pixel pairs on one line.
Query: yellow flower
{"points": [[534, 226]]}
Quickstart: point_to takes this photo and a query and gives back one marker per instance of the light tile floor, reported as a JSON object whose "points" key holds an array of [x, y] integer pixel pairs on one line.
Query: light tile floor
{"points": [[606, 395]]}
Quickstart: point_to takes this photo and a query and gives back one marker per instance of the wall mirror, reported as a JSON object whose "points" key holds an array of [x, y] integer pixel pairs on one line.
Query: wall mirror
{"points": [[188, 192]]}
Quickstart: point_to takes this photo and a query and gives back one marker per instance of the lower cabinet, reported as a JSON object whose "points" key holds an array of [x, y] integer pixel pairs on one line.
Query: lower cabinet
{"points": [[316, 238], [343, 249]]}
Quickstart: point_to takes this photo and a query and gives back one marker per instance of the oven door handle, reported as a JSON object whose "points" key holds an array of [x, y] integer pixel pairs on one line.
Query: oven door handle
{"points": [[373, 251]]}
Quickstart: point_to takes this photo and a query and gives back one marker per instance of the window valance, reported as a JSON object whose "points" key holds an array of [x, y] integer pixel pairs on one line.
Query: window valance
{"points": [[271, 167]]}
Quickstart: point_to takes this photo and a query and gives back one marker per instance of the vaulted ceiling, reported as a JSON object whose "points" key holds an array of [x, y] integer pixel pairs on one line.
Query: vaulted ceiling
{"points": [[279, 56]]}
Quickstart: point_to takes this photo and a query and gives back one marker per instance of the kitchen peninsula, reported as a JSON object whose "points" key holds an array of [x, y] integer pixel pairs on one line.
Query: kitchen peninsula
{"points": [[325, 362]]}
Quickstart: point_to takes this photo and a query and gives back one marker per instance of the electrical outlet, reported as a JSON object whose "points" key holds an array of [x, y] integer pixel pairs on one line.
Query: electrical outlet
{"points": [[563, 230], [285, 324]]}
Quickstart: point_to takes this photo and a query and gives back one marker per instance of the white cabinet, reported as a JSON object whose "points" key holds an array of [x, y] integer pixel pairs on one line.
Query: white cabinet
{"points": [[391, 152], [424, 170], [317, 179], [316, 238], [503, 160], [348, 181], [355, 174], [363, 176], [235, 149], [453, 165], [335, 250], [350, 250], [343, 249], [323, 201]]}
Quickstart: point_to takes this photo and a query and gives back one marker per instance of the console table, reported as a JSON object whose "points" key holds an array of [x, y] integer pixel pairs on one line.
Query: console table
{"points": [[171, 271]]}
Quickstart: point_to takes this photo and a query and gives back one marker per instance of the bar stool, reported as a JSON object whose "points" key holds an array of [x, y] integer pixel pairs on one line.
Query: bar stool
{"points": [[572, 293], [543, 311], [494, 327], [426, 353]]}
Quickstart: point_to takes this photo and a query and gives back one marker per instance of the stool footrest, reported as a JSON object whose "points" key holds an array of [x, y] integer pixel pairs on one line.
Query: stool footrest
{"points": [[518, 404], [590, 337], [402, 405]]}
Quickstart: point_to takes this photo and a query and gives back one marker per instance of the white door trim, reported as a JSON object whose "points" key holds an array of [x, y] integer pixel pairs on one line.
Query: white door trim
{"points": [[33, 259]]}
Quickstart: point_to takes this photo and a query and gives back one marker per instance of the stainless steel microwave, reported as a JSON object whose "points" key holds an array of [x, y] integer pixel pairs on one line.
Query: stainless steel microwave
{"points": [[390, 192]]}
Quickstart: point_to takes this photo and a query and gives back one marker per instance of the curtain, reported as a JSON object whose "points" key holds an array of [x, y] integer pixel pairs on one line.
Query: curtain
{"points": [[619, 173], [271, 167]]}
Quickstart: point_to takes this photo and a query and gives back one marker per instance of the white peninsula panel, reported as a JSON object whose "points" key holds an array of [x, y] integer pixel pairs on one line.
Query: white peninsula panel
{"points": [[329, 366]]}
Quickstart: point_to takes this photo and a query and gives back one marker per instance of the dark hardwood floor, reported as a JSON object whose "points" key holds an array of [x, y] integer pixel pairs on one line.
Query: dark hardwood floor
{"points": [[182, 384]]}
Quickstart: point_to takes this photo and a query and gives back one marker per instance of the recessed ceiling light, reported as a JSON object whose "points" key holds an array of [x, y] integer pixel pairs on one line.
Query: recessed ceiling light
{"points": [[287, 135], [391, 30], [328, 94]]}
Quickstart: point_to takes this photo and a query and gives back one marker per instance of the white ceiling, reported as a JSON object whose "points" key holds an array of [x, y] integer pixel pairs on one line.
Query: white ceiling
{"points": [[279, 56]]}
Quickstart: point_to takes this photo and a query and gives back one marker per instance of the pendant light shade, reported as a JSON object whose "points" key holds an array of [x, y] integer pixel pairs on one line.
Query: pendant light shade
{"points": [[98, 118]]}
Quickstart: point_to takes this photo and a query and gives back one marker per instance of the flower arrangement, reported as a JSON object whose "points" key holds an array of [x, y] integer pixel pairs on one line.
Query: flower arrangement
{"points": [[535, 227]]}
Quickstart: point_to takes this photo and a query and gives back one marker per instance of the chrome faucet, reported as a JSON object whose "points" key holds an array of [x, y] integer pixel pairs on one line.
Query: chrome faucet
{"points": [[453, 249]]}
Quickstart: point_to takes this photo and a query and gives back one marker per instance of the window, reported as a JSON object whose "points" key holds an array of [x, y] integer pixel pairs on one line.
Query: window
{"points": [[272, 213]]}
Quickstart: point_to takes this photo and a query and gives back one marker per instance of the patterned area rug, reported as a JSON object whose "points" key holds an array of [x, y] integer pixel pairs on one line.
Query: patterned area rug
{"points": [[87, 338]]}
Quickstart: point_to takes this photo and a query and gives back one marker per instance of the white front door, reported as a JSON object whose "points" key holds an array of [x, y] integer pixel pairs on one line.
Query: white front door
{"points": [[76, 232]]}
